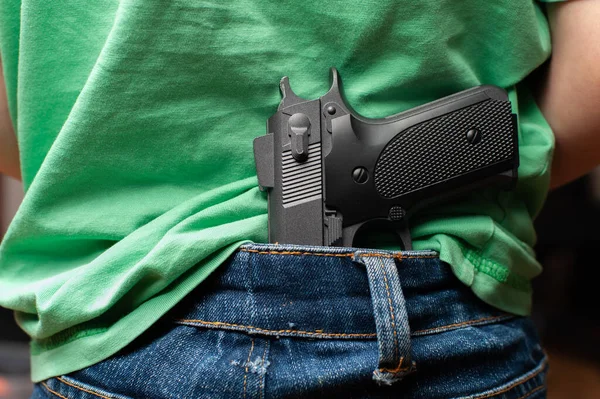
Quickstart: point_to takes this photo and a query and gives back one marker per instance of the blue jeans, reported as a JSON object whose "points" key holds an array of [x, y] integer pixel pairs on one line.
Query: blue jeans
{"points": [[293, 321]]}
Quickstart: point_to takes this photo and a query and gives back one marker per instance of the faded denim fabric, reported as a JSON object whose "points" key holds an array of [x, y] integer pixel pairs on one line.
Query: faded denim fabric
{"points": [[299, 322]]}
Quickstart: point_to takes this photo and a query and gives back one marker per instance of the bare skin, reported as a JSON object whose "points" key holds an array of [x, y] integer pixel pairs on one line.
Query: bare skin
{"points": [[9, 152], [569, 95]]}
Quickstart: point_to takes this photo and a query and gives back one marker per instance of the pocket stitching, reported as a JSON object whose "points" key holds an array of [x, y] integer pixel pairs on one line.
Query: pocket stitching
{"points": [[321, 334], [81, 388], [455, 326], [528, 394], [515, 383], [53, 392]]}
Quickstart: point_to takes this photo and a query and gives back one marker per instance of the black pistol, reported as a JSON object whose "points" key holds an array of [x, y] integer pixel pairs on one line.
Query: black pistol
{"points": [[329, 171]]}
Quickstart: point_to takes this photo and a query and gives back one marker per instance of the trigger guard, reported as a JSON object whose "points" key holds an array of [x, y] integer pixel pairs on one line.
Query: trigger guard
{"points": [[399, 227], [348, 234]]}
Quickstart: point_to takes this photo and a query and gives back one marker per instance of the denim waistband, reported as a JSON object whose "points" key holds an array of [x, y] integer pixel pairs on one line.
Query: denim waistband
{"points": [[337, 293]]}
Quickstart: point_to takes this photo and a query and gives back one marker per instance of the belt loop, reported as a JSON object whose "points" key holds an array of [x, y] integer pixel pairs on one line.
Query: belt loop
{"points": [[391, 318]]}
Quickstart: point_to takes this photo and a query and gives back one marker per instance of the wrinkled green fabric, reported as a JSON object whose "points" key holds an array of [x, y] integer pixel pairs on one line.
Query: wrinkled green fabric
{"points": [[135, 122]]}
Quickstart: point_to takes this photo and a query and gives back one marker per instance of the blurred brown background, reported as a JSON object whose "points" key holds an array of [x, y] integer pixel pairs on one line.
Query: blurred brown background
{"points": [[566, 305], [14, 362]]}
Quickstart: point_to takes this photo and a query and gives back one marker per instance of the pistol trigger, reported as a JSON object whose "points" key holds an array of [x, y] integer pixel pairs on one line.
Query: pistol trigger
{"points": [[404, 235]]}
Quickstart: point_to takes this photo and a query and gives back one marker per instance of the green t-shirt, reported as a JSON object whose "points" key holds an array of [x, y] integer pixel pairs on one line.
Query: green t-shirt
{"points": [[135, 121]]}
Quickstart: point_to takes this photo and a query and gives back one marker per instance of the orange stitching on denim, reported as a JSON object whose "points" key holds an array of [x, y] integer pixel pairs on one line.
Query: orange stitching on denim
{"points": [[219, 323], [518, 382], [464, 323], [419, 257], [387, 288], [356, 335], [246, 369], [376, 255], [294, 253], [260, 385], [55, 393], [533, 391], [397, 369], [81, 388], [348, 255]]}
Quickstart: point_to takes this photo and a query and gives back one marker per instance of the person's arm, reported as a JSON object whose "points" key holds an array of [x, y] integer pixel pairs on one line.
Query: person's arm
{"points": [[569, 95], [9, 151]]}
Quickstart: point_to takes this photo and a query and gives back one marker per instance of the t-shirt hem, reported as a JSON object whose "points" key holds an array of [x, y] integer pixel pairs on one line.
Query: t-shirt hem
{"points": [[87, 350], [489, 284]]}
